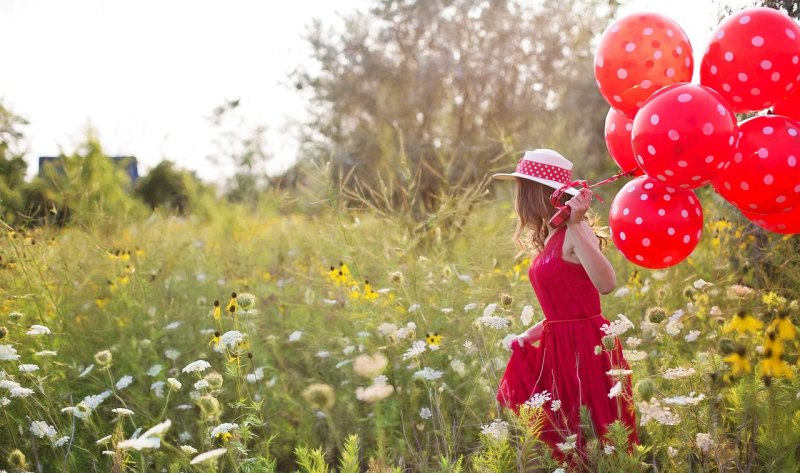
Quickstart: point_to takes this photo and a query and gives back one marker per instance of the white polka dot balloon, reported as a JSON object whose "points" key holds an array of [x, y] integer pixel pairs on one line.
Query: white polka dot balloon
{"points": [[764, 177], [618, 141], [684, 135], [787, 223], [789, 106], [753, 59], [637, 55], [653, 224]]}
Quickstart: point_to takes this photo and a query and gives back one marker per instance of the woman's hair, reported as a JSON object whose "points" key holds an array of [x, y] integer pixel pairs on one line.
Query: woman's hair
{"points": [[534, 210]]}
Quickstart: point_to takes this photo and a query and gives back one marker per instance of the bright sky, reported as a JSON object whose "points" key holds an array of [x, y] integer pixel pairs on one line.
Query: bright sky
{"points": [[146, 74]]}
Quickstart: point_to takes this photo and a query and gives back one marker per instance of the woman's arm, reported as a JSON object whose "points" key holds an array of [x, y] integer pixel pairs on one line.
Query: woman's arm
{"points": [[529, 336], [586, 245]]}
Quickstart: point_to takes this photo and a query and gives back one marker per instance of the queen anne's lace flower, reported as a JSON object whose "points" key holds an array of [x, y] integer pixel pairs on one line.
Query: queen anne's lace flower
{"points": [[677, 373], [196, 366], [538, 399], [497, 430], [428, 374]]}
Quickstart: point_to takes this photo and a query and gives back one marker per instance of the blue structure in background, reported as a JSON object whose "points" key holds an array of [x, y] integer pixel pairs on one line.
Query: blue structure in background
{"points": [[129, 164]]}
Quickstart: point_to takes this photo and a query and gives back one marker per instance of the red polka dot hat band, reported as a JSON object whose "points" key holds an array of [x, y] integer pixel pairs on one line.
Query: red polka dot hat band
{"points": [[545, 166], [543, 171]]}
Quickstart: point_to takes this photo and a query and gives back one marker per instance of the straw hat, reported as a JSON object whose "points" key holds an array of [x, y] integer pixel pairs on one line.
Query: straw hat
{"points": [[544, 166]]}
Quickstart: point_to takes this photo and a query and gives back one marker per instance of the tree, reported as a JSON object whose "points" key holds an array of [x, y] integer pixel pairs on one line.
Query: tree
{"points": [[243, 150], [164, 186], [420, 99], [791, 7], [12, 164]]}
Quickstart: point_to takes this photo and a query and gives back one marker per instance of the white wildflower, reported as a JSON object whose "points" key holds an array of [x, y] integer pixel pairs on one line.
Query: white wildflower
{"points": [[103, 440], [348, 349], [172, 354], [526, 317], [538, 399], [124, 382], [608, 449], [188, 449], [196, 366], [700, 284], [386, 328], [60, 442], [28, 368], [616, 390], [623, 291], [256, 376], [677, 373], [458, 366], [295, 336], [618, 372], [672, 452], [121, 411], [568, 444], [141, 443], [685, 400], [158, 389], [654, 411], [413, 308], [446, 310], [497, 323], [322, 354], [86, 371], [20, 392], [633, 342], [634, 355], [380, 379], [174, 384], [209, 455], [466, 278], [489, 310], [374, 393], [222, 429], [231, 338], [46, 353], [36, 330], [200, 385], [155, 370], [417, 348], [617, 327], [692, 336], [470, 306], [704, 442], [42, 429], [172, 326], [91, 402], [425, 413], [428, 374], [497, 430], [555, 405]]}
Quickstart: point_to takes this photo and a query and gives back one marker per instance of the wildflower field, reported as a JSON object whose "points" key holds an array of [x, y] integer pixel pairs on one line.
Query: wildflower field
{"points": [[279, 340]]}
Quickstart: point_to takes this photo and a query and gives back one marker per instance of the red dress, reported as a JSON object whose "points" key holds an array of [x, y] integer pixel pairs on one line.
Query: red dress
{"points": [[564, 363]]}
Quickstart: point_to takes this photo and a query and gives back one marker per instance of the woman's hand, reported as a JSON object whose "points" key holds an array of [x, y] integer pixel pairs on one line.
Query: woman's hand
{"points": [[527, 337], [579, 204]]}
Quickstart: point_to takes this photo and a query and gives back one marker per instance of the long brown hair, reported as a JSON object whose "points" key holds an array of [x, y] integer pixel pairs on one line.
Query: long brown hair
{"points": [[534, 210]]}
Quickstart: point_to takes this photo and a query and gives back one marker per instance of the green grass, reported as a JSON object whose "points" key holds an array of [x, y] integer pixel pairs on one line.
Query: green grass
{"points": [[440, 277]]}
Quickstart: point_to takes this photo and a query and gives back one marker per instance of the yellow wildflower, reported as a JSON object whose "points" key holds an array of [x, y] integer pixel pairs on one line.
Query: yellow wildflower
{"points": [[773, 300], [739, 363], [635, 279], [231, 307], [433, 339], [369, 294], [102, 302], [775, 367], [215, 340], [743, 322], [783, 326], [217, 310]]}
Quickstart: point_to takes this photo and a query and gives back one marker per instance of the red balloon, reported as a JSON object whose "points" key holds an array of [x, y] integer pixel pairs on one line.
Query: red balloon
{"points": [[789, 106], [654, 224], [764, 176], [787, 223], [637, 55], [684, 135], [753, 59], [618, 141]]}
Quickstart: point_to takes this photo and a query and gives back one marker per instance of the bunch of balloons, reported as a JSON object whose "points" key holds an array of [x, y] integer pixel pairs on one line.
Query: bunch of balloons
{"points": [[677, 136]]}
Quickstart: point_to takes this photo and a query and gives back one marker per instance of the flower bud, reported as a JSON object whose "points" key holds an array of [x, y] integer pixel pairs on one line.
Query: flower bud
{"points": [[103, 358], [610, 342], [656, 314], [214, 380], [645, 388], [506, 299]]}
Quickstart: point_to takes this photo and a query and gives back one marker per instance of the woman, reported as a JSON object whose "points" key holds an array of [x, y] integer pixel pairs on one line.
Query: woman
{"points": [[569, 368]]}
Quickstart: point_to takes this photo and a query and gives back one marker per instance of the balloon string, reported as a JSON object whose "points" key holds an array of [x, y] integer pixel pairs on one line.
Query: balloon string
{"points": [[556, 196]]}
